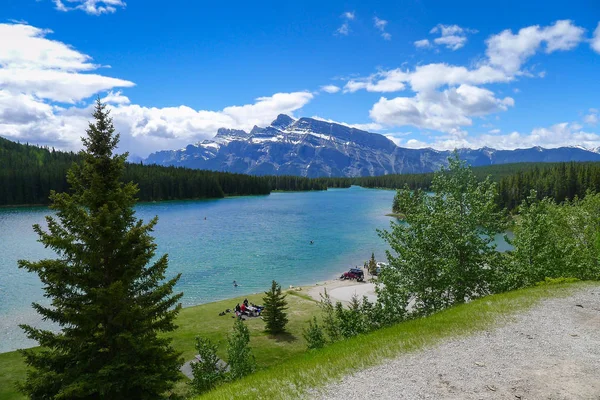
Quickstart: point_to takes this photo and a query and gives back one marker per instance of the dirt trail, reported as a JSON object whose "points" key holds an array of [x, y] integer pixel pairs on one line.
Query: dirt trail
{"points": [[551, 351]]}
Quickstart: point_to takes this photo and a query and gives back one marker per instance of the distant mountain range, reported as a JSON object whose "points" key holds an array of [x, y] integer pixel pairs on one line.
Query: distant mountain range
{"points": [[315, 148]]}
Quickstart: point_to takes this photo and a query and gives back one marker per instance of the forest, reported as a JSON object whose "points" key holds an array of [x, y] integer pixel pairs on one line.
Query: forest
{"points": [[28, 173], [558, 181]]}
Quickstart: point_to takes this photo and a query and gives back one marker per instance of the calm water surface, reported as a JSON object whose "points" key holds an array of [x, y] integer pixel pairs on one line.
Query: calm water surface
{"points": [[252, 240]]}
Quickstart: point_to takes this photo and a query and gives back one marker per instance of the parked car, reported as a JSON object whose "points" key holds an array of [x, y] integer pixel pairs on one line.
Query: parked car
{"points": [[380, 266], [354, 273]]}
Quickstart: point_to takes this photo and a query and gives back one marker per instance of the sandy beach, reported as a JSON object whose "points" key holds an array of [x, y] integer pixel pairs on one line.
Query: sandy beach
{"points": [[343, 290]]}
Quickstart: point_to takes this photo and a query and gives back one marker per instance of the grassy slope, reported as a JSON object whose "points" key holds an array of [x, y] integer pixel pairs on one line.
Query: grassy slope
{"points": [[204, 320], [294, 377], [287, 370]]}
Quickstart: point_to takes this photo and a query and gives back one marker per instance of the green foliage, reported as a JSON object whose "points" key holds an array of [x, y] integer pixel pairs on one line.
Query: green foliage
{"points": [[314, 335], [554, 240], [444, 253], [207, 371], [28, 174], [239, 355], [556, 281], [274, 313], [331, 323], [109, 299], [371, 264]]}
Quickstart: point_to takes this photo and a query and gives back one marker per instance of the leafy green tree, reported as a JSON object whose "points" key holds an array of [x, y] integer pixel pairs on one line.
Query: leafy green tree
{"points": [[239, 355], [554, 241], [274, 313], [537, 252], [206, 371], [314, 335], [331, 324], [109, 300], [444, 251]]}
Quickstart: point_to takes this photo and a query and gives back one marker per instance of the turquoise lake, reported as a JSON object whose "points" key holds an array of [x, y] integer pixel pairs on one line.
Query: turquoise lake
{"points": [[252, 240]]}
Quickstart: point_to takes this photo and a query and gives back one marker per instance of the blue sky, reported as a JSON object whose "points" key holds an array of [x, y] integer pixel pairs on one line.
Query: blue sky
{"points": [[425, 73]]}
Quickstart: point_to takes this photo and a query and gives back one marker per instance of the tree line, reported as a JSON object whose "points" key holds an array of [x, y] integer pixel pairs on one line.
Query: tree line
{"points": [[28, 173]]}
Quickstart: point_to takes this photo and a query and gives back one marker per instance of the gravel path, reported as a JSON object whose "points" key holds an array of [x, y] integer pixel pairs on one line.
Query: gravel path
{"points": [[551, 351]]}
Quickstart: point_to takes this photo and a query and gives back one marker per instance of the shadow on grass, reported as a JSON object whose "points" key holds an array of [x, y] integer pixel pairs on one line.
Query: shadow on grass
{"points": [[284, 337]]}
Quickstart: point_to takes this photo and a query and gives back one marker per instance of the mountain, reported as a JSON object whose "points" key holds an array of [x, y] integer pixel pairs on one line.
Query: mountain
{"points": [[315, 148]]}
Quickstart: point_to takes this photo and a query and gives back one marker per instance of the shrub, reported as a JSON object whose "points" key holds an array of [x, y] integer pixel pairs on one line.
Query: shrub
{"points": [[207, 372], [314, 335], [556, 281], [240, 358], [331, 324]]}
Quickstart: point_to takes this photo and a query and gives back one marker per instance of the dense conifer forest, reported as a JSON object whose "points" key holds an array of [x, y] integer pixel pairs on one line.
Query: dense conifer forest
{"points": [[28, 173], [558, 181]]}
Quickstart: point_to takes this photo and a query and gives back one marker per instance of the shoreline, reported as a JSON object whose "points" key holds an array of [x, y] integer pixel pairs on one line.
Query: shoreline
{"points": [[339, 290]]}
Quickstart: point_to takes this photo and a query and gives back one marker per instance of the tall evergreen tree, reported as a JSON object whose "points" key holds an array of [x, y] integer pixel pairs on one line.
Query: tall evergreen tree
{"points": [[274, 314], [109, 301]]}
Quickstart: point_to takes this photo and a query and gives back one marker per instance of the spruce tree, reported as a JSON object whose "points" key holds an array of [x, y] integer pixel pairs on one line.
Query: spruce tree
{"points": [[274, 314], [110, 302]]}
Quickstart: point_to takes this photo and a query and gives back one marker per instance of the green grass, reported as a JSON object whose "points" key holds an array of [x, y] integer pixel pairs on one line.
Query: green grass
{"points": [[287, 370], [313, 369], [204, 320]]}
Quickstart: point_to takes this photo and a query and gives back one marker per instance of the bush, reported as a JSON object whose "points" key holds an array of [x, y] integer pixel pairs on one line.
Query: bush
{"points": [[314, 335], [556, 281], [207, 372], [240, 358], [331, 324]]}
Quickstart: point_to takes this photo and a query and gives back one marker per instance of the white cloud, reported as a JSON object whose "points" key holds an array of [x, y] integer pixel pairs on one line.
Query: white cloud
{"points": [[494, 131], [115, 98], [350, 15], [447, 97], [453, 37], [381, 24], [49, 69], [36, 73], [558, 135], [93, 7], [595, 43], [344, 29], [591, 119], [330, 88], [443, 111], [510, 51], [426, 77], [421, 44], [369, 127]]}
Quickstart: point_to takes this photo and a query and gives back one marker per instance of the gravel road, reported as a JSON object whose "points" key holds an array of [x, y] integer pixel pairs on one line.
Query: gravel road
{"points": [[551, 351]]}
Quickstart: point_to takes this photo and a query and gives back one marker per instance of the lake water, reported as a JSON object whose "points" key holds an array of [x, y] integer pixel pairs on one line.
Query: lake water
{"points": [[252, 240]]}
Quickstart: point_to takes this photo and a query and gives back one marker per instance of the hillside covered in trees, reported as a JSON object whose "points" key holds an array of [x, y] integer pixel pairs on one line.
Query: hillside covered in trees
{"points": [[558, 181], [28, 174]]}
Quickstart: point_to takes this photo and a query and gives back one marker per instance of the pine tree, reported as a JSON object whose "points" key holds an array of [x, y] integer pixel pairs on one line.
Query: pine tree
{"points": [[110, 303], [274, 314]]}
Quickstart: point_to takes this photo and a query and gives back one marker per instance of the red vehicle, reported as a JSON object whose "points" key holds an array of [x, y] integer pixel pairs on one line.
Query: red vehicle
{"points": [[354, 273]]}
